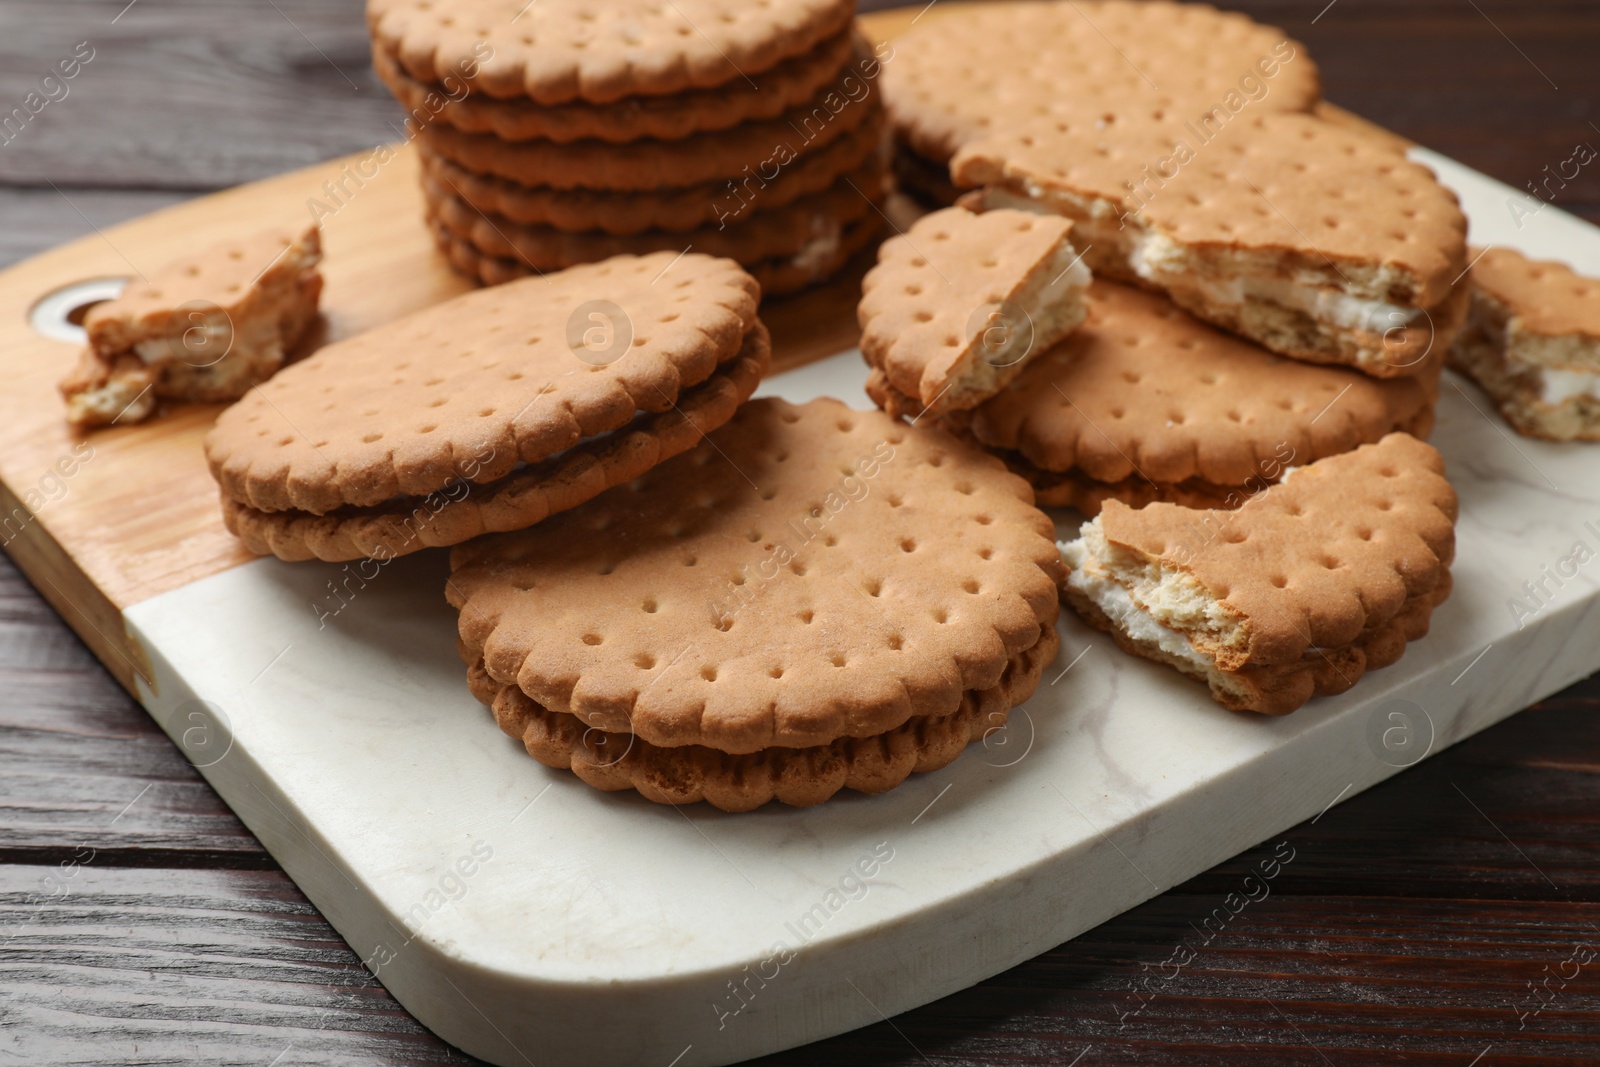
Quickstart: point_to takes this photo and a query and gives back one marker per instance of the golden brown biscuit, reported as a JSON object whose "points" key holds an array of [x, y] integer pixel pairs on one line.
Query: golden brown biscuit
{"points": [[203, 328], [806, 574], [562, 51], [1299, 592], [1533, 343], [493, 379], [1145, 402], [1319, 241]]}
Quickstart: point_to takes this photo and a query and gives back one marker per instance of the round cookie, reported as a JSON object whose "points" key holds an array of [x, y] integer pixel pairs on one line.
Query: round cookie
{"points": [[806, 574], [490, 379], [779, 232], [666, 118], [675, 209], [561, 51], [814, 264], [522, 498], [1145, 402], [968, 68], [642, 166], [797, 776]]}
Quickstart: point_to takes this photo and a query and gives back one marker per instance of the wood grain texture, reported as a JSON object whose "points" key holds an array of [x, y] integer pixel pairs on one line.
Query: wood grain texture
{"points": [[1406, 931]]}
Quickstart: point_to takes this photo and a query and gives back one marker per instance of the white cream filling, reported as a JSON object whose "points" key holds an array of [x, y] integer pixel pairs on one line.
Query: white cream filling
{"points": [[1157, 258], [1114, 600], [818, 252], [1556, 387]]}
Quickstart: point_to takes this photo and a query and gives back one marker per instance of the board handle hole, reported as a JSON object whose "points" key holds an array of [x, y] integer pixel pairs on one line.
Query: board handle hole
{"points": [[59, 315]]}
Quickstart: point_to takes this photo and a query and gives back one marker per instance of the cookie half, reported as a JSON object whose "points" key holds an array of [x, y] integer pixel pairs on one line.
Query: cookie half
{"points": [[563, 51], [1318, 241], [1145, 402], [462, 393], [765, 95], [204, 328], [807, 574], [958, 304], [1533, 343], [1298, 593]]}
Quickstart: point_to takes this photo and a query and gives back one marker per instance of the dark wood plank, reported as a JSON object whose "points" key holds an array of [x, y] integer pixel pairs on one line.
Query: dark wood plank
{"points": [[190, 94], [116, 967]]}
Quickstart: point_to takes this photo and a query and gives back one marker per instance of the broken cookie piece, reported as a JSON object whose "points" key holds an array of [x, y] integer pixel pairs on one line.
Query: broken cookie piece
{"points": [[957, 306], [1532, 342], [206, 328], [1296, 594], [1317, 241]]}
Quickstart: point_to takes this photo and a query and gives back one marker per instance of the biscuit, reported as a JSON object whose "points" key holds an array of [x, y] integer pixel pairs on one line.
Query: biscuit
{"points": [[489, 380], [1319, 241], [676, 209], [806, 574], [667, 118], [643, 166], [796, 776], [817, 262], [777, 233], [959, 304], [564, 51], [1298, 593], [1145, 402], [528, 495], [1532, 342], [964, 70], [204, 328]]}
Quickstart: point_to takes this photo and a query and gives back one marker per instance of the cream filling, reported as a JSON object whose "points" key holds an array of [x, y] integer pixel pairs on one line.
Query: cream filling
{"points": [[1157, 258], [1091, 577], [1556, 387], [819, 252]]}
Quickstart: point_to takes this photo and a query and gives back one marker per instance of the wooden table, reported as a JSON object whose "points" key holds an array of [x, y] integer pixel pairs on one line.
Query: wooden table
{"points": [[1438, 919]]}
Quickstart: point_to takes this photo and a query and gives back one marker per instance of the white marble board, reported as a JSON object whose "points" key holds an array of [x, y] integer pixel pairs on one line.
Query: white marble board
{"points": [[530, 919]]}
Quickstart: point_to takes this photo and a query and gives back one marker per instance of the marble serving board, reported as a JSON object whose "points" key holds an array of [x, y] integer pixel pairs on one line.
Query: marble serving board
{"points": [[530, 919]]}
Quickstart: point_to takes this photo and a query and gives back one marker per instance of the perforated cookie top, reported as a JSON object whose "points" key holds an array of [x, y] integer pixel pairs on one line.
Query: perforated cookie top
{"points": [[1143, 390], [559, 51], [470, 387], [1548, 299], [965, 70], [1334, 551], [1339, 202], [230, 279], [807, 573], [927, 302]]}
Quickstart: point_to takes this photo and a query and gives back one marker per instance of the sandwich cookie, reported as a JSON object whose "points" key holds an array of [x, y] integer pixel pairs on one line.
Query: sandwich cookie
{"points": [[815, 598], [1318, 241], [959, 304], [569, 51], [203, 329], [1297, 594], [490, 411], [1146, 403], [1533, 343]]}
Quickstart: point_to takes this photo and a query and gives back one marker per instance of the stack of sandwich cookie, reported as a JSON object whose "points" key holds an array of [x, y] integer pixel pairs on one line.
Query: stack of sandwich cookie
{"points": [[489, 412], [1146, 403], [958, 305], [1298, 593], [1533, 343], [1321, 242], [964, 71], [814, 599], [569, 131], [204, 328]]}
